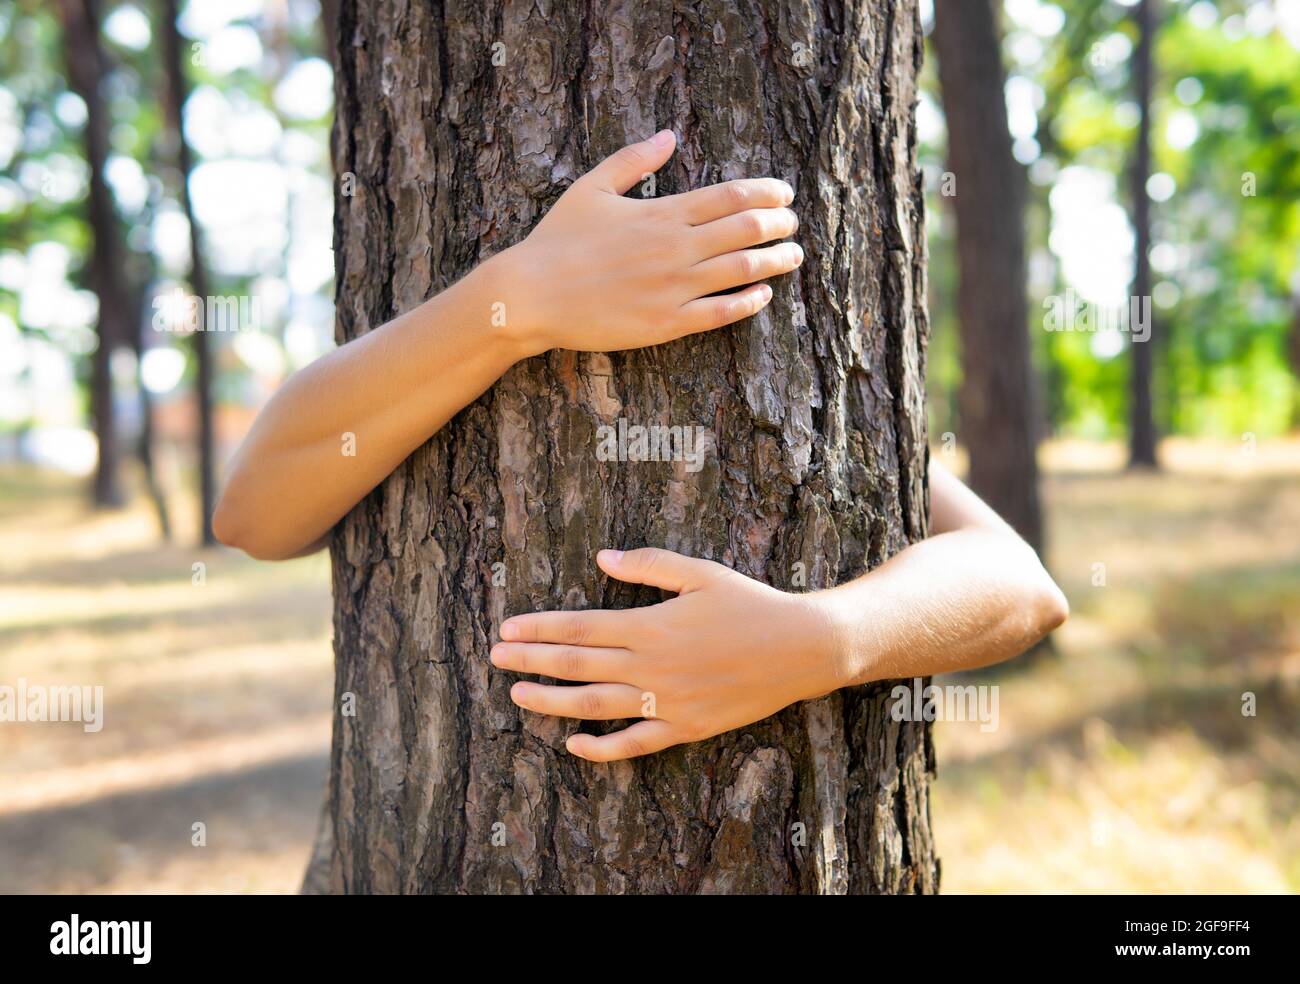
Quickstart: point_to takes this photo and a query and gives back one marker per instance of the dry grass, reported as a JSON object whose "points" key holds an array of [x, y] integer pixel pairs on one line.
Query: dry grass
{"points": [[217, 699], [1121, 764], [1124, 763]]}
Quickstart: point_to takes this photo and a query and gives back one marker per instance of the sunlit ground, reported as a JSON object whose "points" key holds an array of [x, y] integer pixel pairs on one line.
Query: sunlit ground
{"points": [[1124, 763], [217, 702]]}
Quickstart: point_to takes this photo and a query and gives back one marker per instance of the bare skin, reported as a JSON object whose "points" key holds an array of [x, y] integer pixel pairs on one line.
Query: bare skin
{"points": [[599, 273], [727, 650]]}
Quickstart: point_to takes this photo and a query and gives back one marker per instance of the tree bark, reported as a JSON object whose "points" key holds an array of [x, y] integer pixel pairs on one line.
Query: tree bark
{"points": [[177, 92], [87, 67], [1142, 425], [997, 405], [439, 783]]}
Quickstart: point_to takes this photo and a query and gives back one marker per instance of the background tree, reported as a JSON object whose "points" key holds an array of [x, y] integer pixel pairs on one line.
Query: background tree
{"points": [[461, 126], [1142, 425], [87, 67], [997, 402], [177, 92]]}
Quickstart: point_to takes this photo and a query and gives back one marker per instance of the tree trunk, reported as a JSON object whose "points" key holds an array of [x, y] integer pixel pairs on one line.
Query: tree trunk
{"points": [[145, 444], [86, 69], [1293, 357], [439, 783], [177, 92], [999, 418], [1142, 425]]}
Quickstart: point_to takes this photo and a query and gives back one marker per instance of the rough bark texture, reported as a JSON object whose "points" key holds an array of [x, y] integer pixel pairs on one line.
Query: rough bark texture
{"points": [[1142, 425], [439, 783], [87, 67], [998, 413]]}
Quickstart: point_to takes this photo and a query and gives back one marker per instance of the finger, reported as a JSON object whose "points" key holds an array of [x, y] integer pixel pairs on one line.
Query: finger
{"points": [[659, 568], [729, 197], [749, 228], [597, 628], [625, 167], [583, 663], [708, 313], [745, 266], [642, 738], [594, 702]]}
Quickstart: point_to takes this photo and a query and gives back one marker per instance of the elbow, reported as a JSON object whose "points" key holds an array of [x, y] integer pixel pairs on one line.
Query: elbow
{"points": [[231, 530], [1053, 608], [224, 526]]}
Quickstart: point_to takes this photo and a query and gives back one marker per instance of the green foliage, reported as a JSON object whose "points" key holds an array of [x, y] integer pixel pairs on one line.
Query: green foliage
{"points": [[1226, 243]]}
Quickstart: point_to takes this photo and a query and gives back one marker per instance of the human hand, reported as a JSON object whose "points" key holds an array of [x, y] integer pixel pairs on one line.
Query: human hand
{"points": [[602, 272], [727, 651]]}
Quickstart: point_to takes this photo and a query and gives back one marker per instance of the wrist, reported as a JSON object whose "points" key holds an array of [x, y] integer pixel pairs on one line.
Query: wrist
{"points": [[505, 291], [823, 632], [838, 632]]}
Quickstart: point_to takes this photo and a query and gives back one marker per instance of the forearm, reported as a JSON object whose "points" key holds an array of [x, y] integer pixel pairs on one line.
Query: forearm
{"points": [[599, 273], [338, 427], [957, 601]]}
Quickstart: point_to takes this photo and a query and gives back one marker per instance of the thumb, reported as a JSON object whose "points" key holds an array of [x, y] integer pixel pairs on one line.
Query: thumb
{"points": [[624, 168], [658, 568]]}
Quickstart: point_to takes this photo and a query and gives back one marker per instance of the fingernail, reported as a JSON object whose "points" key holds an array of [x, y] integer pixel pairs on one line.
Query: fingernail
{"points": [[798, 253], [663, 138], [494, 655], [517, 692], [610, 556], [766, 292], [509, 631], [789, 192]]}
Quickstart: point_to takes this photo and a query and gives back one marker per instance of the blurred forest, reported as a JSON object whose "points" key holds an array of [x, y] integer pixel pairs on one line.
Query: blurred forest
{"points": [[159, 155], [113, 218]]}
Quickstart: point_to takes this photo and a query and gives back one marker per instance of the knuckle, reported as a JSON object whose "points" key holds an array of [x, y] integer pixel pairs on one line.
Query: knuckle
{"points": [[736, 193], [753, 225], [647, 559], [575, 630], [632, 747], [746, 264], [629, 157], [590, 705], [722, 309], [571, 661]]}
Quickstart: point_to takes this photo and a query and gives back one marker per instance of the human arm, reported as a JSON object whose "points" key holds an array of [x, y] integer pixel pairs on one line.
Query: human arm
{"points": [[600, 272], [729, 650]]}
